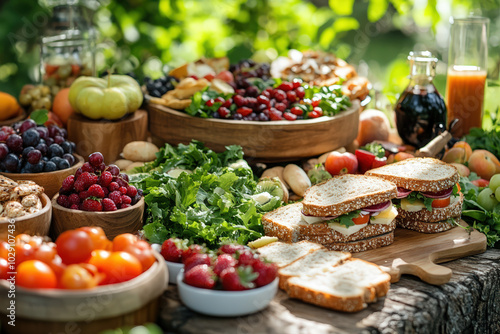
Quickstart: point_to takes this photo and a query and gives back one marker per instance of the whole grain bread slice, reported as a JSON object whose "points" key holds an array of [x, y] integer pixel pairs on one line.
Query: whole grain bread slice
{"points": [[363, 244], [347, 287], [346, 193], [283, 254], [321, 233], [426, 227], [436, 215], [419, 174], [283, 222]]}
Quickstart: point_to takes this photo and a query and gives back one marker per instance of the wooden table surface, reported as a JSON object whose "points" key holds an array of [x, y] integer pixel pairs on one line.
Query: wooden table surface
{"points": [[469, 303]]}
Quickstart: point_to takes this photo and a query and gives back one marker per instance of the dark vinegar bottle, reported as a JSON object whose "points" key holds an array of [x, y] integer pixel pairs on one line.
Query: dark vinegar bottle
{"points": [[420, 111]]}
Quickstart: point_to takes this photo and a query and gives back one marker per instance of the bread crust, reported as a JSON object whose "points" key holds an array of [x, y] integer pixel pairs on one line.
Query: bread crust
{"points": [[324, 235], [362, 245], [426, 227], [436, 215], [419, 174]]}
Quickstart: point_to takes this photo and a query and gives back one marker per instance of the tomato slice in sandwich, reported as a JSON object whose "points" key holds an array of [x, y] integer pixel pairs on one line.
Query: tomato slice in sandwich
{"points": [[441, 202], [361, 219]]}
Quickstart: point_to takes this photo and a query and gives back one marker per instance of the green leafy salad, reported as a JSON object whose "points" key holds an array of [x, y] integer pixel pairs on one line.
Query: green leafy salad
{"points": [[194, 193]]}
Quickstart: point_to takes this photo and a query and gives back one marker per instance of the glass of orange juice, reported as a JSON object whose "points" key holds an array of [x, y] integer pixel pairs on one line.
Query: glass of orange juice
{"points": [[467, 65]]}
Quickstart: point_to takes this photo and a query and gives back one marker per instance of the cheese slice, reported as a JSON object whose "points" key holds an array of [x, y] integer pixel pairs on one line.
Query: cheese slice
{"points": [[346, 230], [385, 217], [312, 219], [412, 207]]}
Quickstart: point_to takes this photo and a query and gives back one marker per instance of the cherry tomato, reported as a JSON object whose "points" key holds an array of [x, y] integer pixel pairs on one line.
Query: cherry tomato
{"points": [[98, 258], [57, 266], [142, 251], [121, 267], [35, 274], [365, 160], [4, 250], [46, 253], [341, 163], [122, 241], [361, 219], [99, 239], [74, 246], [481, 183], [441, 202], [379, 162], [24, 252], [4, 268], [77, 276]]}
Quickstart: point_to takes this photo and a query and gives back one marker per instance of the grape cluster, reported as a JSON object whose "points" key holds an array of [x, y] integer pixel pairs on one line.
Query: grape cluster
{"points": [[29, 148], [161, 86], [36, 97], [248, 68]]}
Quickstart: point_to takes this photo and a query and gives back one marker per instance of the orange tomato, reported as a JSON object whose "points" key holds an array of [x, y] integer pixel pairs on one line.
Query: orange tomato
{"points": [[143, 252], [122, 241], [74, 246], [4, 269], [46, 253], [24, 252], [441, 202], [361, 219], [35, 274], [4, 250], [98, 258], [121, 267], [402, 156], [79, 276], [99, 239]]}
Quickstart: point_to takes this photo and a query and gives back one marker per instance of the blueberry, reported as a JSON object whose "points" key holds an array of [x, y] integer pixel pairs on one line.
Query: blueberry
{"points": [[38, 168], [56, 160], [42, 148], [28, 168], [49, 167], [55, 151], [66, 146], [63, 164], [31, 137], [70, 158], [45, 159]]}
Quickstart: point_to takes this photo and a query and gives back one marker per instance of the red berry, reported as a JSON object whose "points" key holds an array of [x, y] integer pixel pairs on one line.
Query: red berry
{"points": [[113, 186], [193, 249], [296, 83], [88, 179], [209, 103], [315, 103], [244, 111], [279, 95], [230, 248], [291, 96], [266, 94], [106, 191], [74, 207], [223, 262], [68, 183], [171, 250], [83, 195], [219, 99], [74, 199], [116, 197], [237, 279], [275, 114], [228, 103], [289, 116], [131, 191], [63, 201], [239, 100], [108, 205], [96, 159], [91, 205], [79, 185], [267, 272], [96, 190], [286, 86], [87, 167], [313, 114], [105, 179], [200, 276], [124, 206], [296, 111], [78, 172], [123, 190], [126, 199], [113, 169], [318, 110], [262, 99], [280, 106], [245, 258], [300, 92], [223, 112], [196, 259]]}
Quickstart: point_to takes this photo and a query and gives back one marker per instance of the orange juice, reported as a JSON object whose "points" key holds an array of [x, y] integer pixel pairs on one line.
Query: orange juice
{"points": [[464, 97]]}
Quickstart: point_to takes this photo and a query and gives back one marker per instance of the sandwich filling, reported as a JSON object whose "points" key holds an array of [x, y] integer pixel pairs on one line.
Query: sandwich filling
{"points": [[413, 201], [351, 222]]}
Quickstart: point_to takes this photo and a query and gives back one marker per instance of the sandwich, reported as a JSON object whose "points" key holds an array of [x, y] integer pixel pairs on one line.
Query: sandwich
{"points": [[350, 213], [429, 200]]}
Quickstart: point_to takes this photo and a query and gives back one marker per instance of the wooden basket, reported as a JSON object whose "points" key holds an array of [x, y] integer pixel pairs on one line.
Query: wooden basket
{"points": [[34, 224], [107, 137], [113, 223], [51, 181], [264, 141], [86, 311]]}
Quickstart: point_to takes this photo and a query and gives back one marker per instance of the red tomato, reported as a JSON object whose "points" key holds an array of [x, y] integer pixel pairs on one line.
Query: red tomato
{"points": [[341, 163], [79, 276], [441, 202], [24, 252], [121, 267], [225, 76], [4, 268], [481, 183], [98, 258], [361, 219], [97, 235], [122, 241], [4, 250], [50, 69], [209, 77], [35, 274], [74, 246], [46, 253], [143, 252], [379, 162], [365, 160]]}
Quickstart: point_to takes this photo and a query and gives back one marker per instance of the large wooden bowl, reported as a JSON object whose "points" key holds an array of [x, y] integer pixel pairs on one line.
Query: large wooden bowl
{"points": [[37, 223], [107, 137], [50, 181], [127, 220], [86, 311], [19, 117], [263, 141]]}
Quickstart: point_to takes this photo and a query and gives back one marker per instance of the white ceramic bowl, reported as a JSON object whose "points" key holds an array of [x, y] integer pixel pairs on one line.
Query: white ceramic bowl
{"points": [[225, 303], [173, 270]]}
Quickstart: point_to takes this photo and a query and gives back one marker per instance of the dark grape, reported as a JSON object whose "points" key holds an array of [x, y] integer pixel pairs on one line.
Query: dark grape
{"points": [[49, 167], [43, 132], [34, 156], [3, 136], [4, 150], [55, 151], [64, 133], [63, 164], [38, 168], [26, 125], [11, 162], [49, 141], [252, 91], [26, 151], [70, 158], [54, 131], [123, 176], [56, 160], [42, 148], [59, 140], [31, 137], [15, 143], [114, 170]]}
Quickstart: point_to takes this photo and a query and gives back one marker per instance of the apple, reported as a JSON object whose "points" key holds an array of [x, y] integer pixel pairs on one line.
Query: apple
{"points": [[341, 163]]}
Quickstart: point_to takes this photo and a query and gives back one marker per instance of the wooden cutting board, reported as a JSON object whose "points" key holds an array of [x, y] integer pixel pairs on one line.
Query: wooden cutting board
{"points": [[417, 253]]}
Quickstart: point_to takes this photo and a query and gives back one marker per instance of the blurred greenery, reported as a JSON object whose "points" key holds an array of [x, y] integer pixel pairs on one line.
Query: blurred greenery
{"points": [[149, 36]]}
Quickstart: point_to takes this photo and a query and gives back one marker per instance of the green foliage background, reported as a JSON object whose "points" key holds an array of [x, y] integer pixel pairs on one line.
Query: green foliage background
{"points": [[144, 35]]}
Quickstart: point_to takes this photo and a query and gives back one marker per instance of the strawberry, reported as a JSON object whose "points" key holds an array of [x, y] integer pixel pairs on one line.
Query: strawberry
{"points": [[79, 185], [267, 272], [68, 183], [230, 248], [245, 258], [126, 199], [78, 172], [74, 207], [108, 205], [63, 200], [83, 195], [200, 276], [91, 205], [74, 199], [124, 206], [113, 186], [88, 179], [171, 249], [105, 179], [96, 191], [223, 262], [116, 197], [193, 249], [195, 260], [237, 279]]}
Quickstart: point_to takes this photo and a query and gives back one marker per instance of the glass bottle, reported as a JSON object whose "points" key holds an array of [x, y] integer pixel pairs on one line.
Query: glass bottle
{"points": [[68, 44], [420, 110]]}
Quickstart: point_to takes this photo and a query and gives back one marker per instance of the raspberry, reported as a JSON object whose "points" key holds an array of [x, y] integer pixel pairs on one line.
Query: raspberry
{"points": [[96, 159], [123, 190], [106, 191], [91, 205], [113, 186], [96, 191], [124, 206], [108, 205], [88, 179], [87, 168], [62, 200], [74, 207], [126, 199], [68, 183], [74, 199], [105, 179], [131, 191], [84, 194], [79, 185], [116, 197]]}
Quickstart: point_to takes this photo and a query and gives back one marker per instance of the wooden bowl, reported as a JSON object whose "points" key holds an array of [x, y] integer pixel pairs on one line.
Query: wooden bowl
{"points": [[19, 117], [50, 181], [37, 223], [86, 311], [107, 137], [264, 141], [127, 220]]}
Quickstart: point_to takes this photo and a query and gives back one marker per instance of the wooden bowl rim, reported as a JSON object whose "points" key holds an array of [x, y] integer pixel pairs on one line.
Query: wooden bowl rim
{"points": [[56, 206], [345, 113], [47, 206], [78, 164], [127, 118], [15, 119]]}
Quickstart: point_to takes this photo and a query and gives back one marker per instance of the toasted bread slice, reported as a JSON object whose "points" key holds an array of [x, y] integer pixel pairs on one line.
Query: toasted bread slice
{"points": [[425, 227], [346, 193], [283, 222], [347, 287], [419, 174], [283, 254], [363, 244]]}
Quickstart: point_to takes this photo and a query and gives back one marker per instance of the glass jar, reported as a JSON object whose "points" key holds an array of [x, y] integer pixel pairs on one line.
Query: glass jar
{"points": [[420, 110], [68, 45]]}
